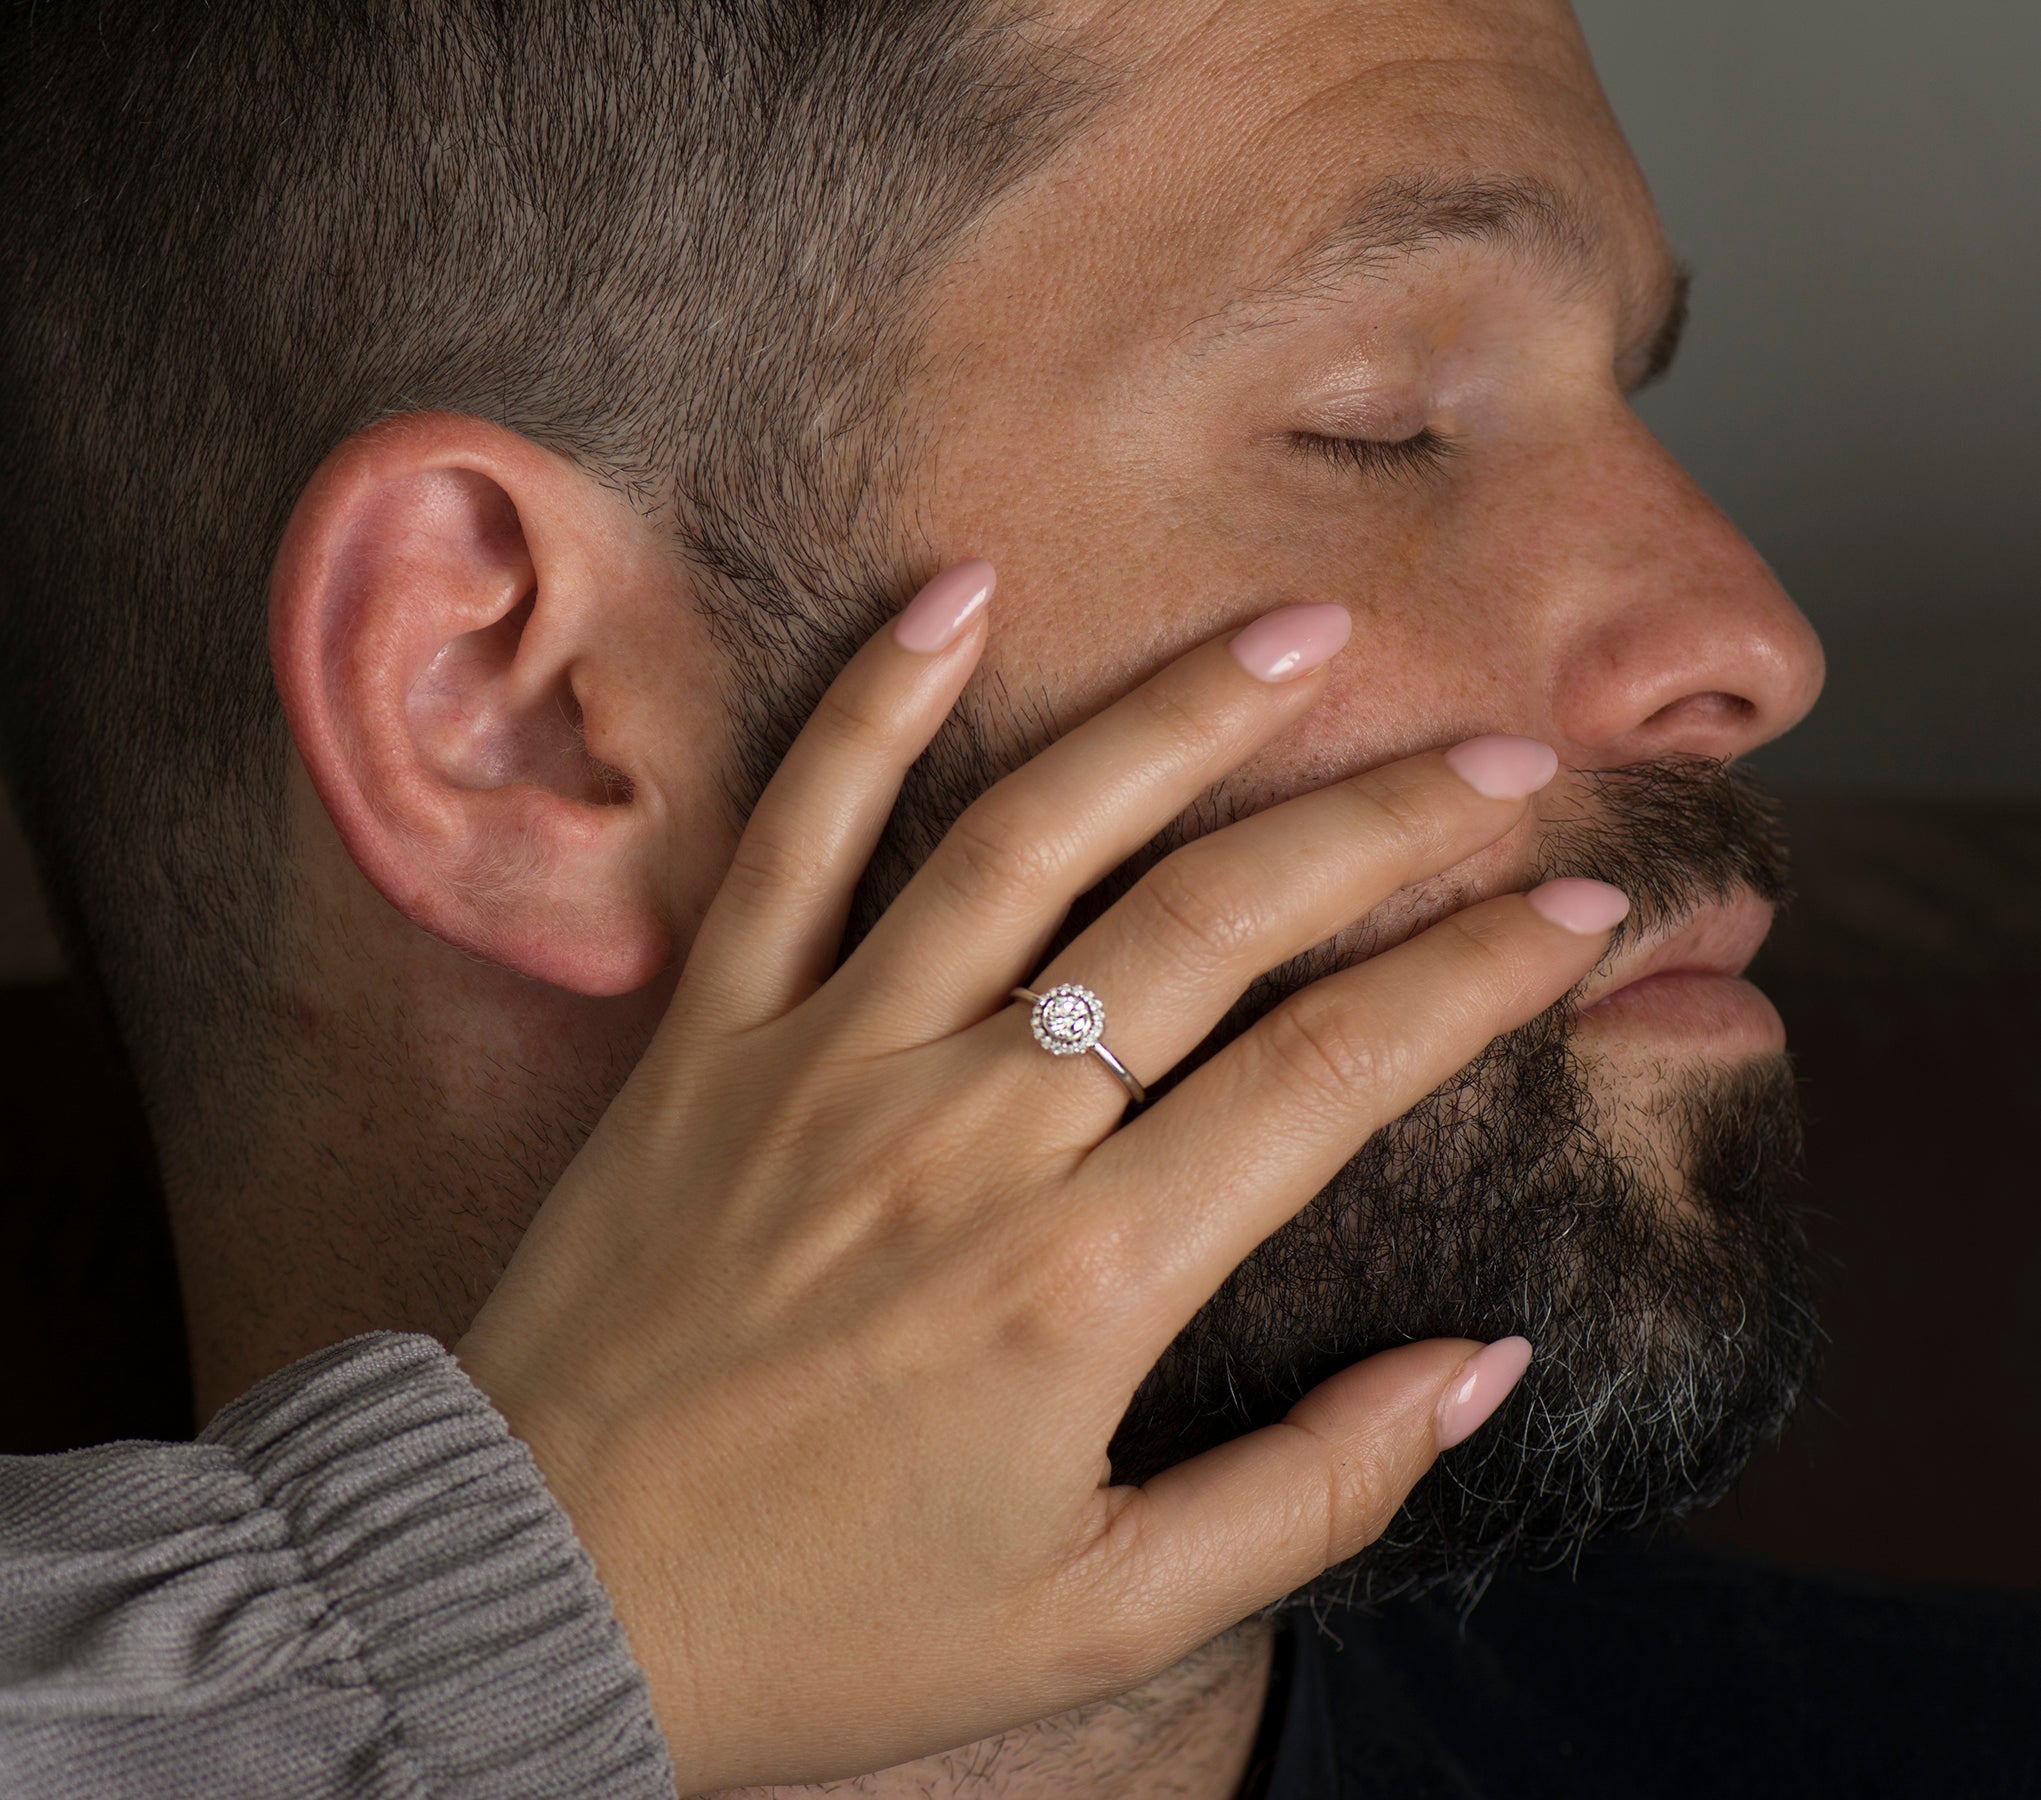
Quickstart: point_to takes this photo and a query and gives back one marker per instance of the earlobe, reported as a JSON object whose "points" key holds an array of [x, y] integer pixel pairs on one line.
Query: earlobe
{"points": [[450, 607]]}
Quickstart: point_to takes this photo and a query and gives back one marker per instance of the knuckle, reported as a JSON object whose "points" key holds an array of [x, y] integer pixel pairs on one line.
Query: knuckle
{"points": [[1325, 1050], [1405, 813], [1487, 939], [850, 713], [1169, 713], [766, 864], [1186, 908], [1362, 1490], [1107, 1641], [994, 851], [1075, 1281]]}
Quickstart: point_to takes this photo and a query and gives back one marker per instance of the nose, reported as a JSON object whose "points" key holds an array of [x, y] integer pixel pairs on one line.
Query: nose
{"points": [[1673, 634]]}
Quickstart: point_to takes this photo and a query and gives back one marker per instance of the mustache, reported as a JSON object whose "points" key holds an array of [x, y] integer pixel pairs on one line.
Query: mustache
{"points": [[1676, 833]]}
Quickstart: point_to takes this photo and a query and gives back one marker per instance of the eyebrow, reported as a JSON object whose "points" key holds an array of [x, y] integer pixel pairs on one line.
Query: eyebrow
{"points": [[1406, 215]]}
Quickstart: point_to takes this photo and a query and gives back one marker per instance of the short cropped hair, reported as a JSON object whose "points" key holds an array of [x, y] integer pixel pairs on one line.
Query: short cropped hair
{"points": [[682, 243]]}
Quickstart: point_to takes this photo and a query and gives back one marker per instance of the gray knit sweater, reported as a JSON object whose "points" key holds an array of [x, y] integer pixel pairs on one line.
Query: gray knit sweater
{"points": [[355, 1583]]}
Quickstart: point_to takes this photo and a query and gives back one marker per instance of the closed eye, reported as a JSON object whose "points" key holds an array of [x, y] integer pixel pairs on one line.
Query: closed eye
{"points": [[1393, 459]]}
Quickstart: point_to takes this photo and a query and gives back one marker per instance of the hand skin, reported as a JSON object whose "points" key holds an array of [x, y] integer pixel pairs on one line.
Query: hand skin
{"points": [[823, 1335], [1563, 579]]}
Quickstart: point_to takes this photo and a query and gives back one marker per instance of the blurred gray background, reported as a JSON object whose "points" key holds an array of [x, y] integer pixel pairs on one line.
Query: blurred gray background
{"points": [[1858, 186]]}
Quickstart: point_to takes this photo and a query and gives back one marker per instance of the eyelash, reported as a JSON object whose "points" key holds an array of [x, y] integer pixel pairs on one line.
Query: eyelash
{"points": [[1391, 460]]}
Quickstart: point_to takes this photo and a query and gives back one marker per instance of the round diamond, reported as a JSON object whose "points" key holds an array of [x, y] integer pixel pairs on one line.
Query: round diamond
{"points": [[1069, 1019]]}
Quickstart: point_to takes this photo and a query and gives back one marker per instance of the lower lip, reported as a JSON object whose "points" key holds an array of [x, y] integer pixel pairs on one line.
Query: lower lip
{"points": [[1725, 1012]]}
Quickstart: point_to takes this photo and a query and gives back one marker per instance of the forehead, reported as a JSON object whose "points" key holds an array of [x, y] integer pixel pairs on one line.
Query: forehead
{"points": [[1235, 136]]}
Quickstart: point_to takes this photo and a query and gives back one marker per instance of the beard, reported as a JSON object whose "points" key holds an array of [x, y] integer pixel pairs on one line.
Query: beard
{"points": [[1671, 1318], [1652, 1250]]}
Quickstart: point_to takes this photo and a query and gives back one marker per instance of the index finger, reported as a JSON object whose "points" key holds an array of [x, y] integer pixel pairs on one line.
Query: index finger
{"points": [[772, 932], [975, 917]]}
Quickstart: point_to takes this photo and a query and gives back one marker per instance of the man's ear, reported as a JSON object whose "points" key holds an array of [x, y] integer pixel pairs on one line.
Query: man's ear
{"points": [[501, 689]]}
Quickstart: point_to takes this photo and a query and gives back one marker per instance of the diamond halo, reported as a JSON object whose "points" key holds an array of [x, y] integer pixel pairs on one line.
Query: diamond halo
{"points": [[1068, 1020]]}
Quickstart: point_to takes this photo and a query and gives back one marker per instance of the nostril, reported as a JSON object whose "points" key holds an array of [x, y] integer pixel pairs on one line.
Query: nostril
{"points": [[1713, 708]]}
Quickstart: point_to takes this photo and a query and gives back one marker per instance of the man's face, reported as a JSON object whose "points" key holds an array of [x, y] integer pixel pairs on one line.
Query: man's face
{"points": [[1297, 227]]}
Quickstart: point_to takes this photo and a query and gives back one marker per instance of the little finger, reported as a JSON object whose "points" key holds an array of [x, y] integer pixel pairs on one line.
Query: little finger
{"points": [[1243, 1143]]}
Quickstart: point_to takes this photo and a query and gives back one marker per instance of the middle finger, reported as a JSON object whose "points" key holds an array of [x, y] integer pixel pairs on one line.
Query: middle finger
{"points": [[1176, 951]]}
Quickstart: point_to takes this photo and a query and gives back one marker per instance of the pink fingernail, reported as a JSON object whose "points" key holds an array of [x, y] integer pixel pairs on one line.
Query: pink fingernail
{"points": [[1483, 1383], [932, 619], [1503, 768], [1281, 645], [1579, 904]]}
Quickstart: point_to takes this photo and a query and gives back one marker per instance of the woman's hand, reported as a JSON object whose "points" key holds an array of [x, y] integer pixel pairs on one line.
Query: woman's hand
{"points": [[822, 1337]]}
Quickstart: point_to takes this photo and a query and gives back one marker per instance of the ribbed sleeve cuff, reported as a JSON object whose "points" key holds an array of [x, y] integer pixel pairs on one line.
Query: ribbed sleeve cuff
{"points": [[429, 1531]]}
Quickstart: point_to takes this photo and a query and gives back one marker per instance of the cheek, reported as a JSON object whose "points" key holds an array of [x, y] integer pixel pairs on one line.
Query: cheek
{"points": [[1112, 561], [1446, 642], [1415, 674]]}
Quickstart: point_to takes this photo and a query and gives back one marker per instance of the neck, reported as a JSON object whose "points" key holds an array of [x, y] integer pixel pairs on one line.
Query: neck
{"points": [[389, 1128], [1187, 1735]]}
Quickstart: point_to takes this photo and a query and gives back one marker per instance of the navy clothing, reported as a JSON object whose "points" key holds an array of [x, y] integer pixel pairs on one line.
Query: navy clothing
{"points": [[1669, 1670]]}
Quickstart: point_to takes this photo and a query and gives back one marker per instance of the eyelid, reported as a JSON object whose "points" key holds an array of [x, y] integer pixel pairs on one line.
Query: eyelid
{"points": [[1422, 454], [1381, 415]]}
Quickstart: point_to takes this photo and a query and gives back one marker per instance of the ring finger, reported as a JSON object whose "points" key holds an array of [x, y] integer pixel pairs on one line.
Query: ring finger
{"points": [[1170, 958]]}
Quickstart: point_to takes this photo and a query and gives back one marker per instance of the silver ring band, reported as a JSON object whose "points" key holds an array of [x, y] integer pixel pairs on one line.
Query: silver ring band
{"points": [[1069, 1020]]}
